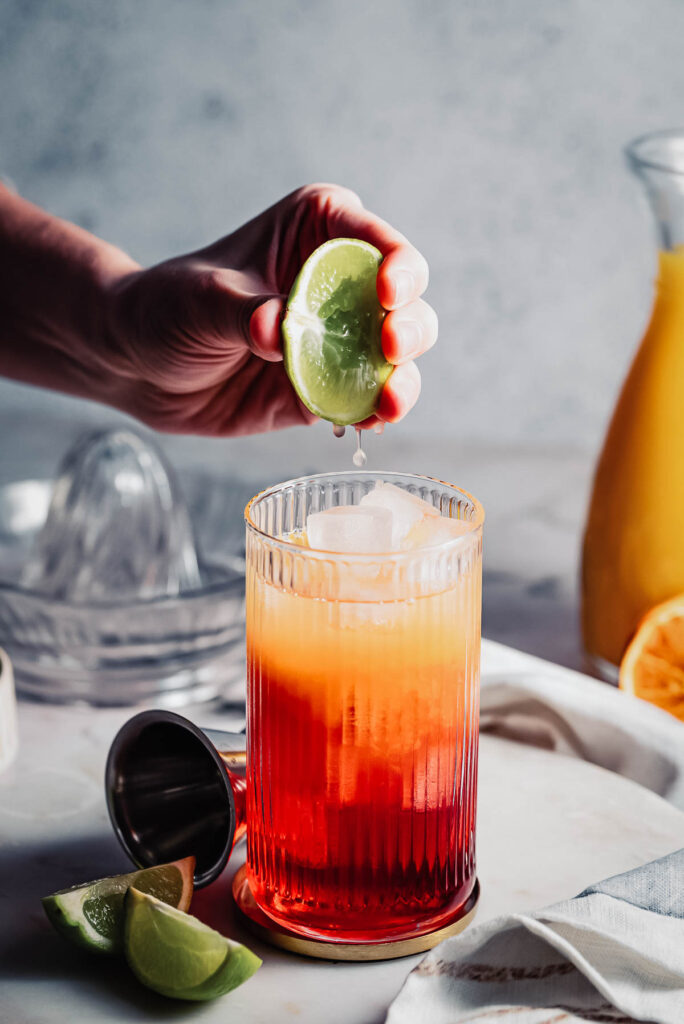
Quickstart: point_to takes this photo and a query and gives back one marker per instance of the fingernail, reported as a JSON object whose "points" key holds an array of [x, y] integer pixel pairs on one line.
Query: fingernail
{"points": [[403, 286], [410, 337]]}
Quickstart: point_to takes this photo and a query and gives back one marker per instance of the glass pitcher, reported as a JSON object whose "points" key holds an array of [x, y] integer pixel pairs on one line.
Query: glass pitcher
{"points": [[634, 540]]}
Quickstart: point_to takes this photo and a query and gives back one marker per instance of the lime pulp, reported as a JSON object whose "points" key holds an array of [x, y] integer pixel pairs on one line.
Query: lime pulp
{"points": [[178, 956], [92, 914], [332, 332]]}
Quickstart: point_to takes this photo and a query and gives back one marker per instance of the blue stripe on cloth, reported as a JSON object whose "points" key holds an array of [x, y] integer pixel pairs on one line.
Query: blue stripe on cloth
{"points": [[658, 886]]}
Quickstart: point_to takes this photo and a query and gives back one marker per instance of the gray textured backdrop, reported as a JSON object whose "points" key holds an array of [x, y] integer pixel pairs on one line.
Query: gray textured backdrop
{"points": [[490, 132]]}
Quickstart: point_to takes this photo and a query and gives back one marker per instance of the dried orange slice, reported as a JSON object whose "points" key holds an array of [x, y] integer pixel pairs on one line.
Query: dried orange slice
{"points": [[653, 665]]}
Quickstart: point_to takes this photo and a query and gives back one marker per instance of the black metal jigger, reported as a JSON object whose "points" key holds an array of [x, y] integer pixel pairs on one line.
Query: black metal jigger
{"points": [[174, 790]]}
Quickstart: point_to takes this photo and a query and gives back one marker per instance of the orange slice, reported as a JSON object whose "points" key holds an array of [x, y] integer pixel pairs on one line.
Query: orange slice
{"points": [[653, 665]]}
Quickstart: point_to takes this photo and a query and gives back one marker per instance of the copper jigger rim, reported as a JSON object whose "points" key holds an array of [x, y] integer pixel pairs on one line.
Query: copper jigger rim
{"points": [[134, 726]]}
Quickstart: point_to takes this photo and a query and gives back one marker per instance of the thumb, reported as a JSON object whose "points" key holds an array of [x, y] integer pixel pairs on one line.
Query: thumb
{"points": [[264, 330], [241, 307]]}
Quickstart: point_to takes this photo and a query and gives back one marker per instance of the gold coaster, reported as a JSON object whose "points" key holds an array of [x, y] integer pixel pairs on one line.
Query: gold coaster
{"points": [[331, 949]]}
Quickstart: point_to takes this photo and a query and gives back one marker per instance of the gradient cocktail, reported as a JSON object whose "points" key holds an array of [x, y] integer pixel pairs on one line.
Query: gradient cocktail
{"points": [[363, 678]]}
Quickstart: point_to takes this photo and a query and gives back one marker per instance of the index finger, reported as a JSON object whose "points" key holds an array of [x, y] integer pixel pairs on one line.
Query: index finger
{"points": [[403, 274]]}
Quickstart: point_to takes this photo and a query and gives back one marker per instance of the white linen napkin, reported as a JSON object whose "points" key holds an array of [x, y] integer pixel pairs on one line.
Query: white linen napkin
{"points": [[562, 710], [614, 953]]}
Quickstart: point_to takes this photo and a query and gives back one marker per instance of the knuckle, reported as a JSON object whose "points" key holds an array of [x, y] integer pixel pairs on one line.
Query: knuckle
{"points": [[348, 195], [326, 194], [208, 281]]}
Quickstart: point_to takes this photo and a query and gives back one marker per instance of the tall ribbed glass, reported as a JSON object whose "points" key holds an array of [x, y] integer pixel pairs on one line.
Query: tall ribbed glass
{"points": [[363, 687]]}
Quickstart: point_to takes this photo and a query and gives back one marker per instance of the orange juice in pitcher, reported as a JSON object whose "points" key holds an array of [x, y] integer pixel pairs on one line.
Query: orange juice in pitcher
{"points": [[634, 540]]}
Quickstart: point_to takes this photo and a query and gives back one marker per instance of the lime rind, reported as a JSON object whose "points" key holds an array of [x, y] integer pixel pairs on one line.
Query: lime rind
{"points": [[65, 913], [332, 332], [177, 956], [92, 915], [238, 967]]}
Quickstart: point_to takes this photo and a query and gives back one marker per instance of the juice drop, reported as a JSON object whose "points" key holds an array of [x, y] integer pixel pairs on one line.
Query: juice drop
{"points": [[338, 430], [359, 458]]}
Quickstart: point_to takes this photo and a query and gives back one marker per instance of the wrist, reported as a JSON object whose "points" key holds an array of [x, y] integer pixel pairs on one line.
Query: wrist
{"points": [[102, 355], [114, 278]]}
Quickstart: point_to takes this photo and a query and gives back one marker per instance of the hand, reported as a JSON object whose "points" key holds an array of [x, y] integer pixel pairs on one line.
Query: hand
{"points": [[196, 342]]}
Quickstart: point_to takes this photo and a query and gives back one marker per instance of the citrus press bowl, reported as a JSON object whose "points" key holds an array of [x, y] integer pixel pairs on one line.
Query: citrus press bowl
{"points": [[121, 584]]}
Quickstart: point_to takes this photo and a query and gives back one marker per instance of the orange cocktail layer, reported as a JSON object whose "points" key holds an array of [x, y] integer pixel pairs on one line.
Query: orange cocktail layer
{"points": [[362, 754]]}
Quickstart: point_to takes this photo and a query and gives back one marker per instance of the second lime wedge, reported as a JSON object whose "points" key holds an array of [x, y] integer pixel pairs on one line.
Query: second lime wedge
{"points": [[332, 332], [92, 914], [178, 956]]}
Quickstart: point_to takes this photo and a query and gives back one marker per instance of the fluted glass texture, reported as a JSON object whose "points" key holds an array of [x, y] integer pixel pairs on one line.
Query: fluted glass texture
{"points": [[363, 689]]}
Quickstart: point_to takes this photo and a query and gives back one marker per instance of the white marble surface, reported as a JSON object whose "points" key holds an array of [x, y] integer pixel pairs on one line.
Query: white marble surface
{"points": [[547, 827]]}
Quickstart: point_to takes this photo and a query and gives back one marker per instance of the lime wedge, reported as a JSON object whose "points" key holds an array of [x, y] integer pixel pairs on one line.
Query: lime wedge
{"points": [[92, 914], [331, 332], [178, 956]]}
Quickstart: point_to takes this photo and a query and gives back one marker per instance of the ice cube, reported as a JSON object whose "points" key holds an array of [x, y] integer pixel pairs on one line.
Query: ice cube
{"points": [[350, 529], [430, 531], [407, 509]]}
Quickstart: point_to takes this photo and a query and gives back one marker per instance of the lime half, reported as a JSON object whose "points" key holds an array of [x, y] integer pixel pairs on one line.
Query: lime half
{"points": [[178, 956], [331, 332], [92, 914]]}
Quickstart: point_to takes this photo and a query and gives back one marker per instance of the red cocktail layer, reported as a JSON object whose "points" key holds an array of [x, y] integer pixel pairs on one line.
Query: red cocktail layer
{"points": [[362, 760]]}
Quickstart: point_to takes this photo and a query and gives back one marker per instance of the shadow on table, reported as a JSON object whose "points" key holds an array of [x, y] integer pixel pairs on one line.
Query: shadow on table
{"points": [[31, 952], [30, 949]]}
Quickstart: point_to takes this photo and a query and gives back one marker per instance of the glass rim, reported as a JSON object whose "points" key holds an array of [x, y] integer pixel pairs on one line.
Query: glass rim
{"points": [[638, 160], [289, 545]]}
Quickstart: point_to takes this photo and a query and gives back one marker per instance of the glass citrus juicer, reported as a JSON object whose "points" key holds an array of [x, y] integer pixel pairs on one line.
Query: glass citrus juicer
{"points": [[356, 781], [633, 554], [106, 597]]}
